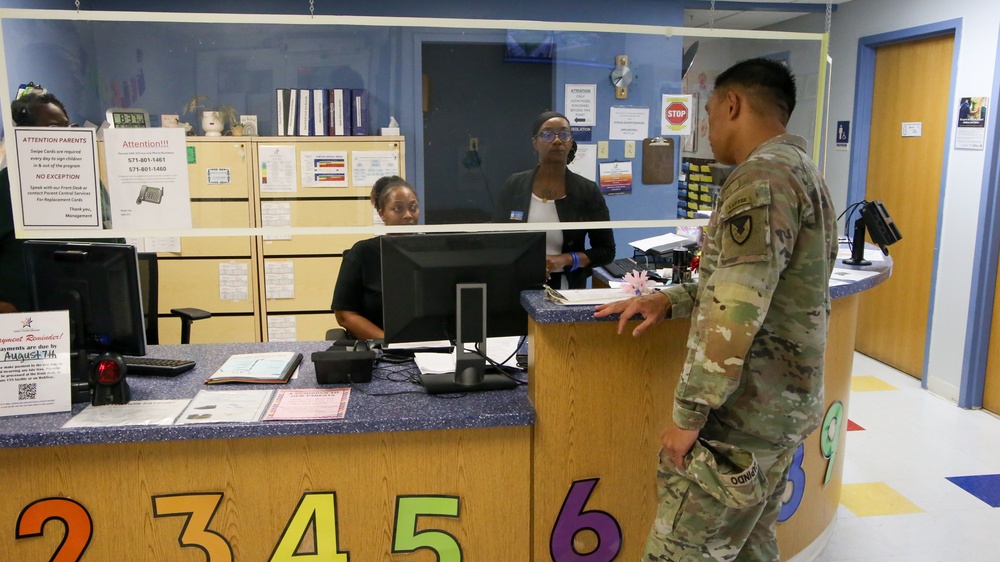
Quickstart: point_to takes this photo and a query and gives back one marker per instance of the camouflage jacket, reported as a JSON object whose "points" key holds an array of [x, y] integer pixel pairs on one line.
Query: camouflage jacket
{"points": [[759, 310]]}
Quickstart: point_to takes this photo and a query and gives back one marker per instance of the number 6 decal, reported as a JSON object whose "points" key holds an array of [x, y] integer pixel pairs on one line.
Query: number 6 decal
{"points": [[573, 519], [79, 526]]}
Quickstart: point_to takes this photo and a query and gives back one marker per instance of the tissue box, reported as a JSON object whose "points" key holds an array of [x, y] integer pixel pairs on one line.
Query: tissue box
{"points": [[390, 131]]}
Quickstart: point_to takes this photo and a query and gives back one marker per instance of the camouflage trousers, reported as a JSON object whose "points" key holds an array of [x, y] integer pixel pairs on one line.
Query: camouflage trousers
{"points": [[696, 521]]}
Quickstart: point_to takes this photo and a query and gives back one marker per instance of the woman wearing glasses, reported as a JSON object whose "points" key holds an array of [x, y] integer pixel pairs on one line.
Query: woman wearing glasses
{"points": [[553, 193]]}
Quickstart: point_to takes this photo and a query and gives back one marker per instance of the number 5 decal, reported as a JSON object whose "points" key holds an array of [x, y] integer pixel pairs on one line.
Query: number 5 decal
{"points": [[406, 538], [79, 526], [573, 519], [199, 510]]}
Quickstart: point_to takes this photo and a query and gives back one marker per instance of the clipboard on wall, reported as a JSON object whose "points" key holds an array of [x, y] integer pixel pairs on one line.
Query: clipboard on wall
{"points": [[658, 160]]}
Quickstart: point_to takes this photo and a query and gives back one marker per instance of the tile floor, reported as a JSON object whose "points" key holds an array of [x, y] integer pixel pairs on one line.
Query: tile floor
{"points": [[921, 476]]}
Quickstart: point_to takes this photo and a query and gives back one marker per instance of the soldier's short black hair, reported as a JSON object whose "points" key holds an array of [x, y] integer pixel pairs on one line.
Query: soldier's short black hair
{"points": [[770, 84], [24, 110]]}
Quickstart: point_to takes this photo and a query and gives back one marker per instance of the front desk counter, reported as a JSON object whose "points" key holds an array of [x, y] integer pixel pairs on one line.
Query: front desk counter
{"points": [[601, 400], [399, 472]]}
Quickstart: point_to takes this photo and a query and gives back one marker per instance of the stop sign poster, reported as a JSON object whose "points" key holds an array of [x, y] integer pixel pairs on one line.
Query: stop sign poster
{"points": [[675, 117]]}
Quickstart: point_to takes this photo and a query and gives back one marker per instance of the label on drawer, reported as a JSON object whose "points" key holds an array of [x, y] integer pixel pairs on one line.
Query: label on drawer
{"points": [[218, 175]]}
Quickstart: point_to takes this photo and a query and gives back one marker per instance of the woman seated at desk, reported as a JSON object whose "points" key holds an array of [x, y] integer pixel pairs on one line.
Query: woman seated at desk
{"points": [[357, 297], [552, 193]]}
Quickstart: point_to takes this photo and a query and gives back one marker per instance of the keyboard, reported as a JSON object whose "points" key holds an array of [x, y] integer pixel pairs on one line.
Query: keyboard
{"points": [[157, 367], [620, 267]]}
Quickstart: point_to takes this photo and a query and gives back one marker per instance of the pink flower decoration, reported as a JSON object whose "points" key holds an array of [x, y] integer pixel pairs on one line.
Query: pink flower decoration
{"points": [[636, 283]]}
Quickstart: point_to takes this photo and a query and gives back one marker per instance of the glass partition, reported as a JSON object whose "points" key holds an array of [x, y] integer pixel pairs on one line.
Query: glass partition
{"points": [[461, 94]]}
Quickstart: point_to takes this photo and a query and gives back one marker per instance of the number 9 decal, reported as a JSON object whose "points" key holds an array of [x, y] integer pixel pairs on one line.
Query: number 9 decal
{"points": [[79, 525], [829, 437]]}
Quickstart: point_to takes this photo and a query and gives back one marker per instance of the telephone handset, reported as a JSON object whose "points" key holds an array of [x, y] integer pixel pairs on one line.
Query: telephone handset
{"points": [[149, 194]]}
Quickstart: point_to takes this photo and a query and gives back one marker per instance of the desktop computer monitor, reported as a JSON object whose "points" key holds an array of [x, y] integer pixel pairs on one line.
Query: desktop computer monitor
{"points": [[98, 284], [463, 288]]}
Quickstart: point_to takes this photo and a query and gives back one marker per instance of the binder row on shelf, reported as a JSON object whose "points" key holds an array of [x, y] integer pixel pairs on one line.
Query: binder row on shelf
{"points": [[696, 190], [332, 112]]}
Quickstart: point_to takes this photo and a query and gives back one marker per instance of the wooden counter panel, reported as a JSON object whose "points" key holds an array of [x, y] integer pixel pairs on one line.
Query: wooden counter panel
{"points": [[602, 400], [600, 410], [263, 480]]}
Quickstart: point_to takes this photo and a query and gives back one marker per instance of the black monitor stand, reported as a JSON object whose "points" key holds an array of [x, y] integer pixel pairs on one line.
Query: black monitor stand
{"points": [[858, 245], [471, 373]]}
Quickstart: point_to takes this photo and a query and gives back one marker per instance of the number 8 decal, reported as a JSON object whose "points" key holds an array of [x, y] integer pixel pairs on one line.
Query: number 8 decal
{"points": [[573, 519]]}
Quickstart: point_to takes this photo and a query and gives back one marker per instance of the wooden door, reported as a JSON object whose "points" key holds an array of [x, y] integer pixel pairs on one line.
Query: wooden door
{"points": [[912, 83]]}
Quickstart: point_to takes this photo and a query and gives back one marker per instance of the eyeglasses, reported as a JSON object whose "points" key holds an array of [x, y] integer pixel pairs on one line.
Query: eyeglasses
{"points": [[549, 136]]}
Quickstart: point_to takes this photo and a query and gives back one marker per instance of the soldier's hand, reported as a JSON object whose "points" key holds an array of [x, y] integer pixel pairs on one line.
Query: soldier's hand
{"points": [[652, 307], [677, 442]]}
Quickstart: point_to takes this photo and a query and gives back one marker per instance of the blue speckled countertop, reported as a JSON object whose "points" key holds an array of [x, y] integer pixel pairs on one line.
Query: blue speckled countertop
{"points": [[365, 413], [545, 311]]}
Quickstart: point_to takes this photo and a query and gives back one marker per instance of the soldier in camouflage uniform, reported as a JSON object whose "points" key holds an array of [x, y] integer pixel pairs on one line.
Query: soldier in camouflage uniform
{"points": [[752, 385]]}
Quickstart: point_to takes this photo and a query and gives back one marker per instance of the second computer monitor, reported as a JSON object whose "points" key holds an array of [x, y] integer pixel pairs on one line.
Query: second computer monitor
{"points": [[420, 273]]}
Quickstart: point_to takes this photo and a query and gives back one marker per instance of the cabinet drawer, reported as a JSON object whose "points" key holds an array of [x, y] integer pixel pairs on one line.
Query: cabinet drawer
{"points": [[308, 327], [342, 145], [312, 244], [229, 162], [197, 283], [218, 214], [312, 281], [217, 329]]}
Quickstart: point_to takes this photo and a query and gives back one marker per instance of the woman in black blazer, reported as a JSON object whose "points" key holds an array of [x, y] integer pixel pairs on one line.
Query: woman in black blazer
{"points": [[553, 193]]}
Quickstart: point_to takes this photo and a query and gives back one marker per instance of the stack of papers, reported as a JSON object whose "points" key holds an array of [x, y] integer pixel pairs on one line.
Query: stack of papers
{"points": [[661, 244], [498, 349], [589, 297], [275, 367]]}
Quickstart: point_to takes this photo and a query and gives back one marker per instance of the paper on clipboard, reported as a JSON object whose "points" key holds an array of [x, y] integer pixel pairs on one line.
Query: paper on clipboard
{"points": [[662, 243]]}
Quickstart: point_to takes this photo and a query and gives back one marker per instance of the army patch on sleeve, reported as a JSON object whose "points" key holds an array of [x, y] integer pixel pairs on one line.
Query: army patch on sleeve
{"points": [[740, 228], [746, 236]]}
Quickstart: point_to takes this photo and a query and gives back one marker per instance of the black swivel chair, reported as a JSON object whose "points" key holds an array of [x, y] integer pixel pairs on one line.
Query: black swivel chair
{"points": [[149, 281]]}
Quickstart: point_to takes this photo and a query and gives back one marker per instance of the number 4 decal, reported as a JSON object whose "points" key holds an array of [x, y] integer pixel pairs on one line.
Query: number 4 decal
{"points": [[318, 509], [79, 525]]}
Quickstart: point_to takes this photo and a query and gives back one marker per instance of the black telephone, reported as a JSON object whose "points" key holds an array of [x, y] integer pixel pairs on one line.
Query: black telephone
{"points": [[149, 194]]}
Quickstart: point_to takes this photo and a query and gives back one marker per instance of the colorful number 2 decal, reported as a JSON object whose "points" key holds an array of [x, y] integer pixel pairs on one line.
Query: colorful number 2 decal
{"points": [[829, 437], [573, 519], [198, 510], [406, 538], [79, 526], [794, 486]]}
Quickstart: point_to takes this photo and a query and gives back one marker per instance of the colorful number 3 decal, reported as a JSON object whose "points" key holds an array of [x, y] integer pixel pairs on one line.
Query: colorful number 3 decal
{"points": [[794, 486], [573, 519], [79, 525], [199, 510]]}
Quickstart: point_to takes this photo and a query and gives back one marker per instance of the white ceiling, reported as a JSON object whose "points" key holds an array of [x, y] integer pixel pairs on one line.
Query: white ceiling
{"points": [[755, 19]]}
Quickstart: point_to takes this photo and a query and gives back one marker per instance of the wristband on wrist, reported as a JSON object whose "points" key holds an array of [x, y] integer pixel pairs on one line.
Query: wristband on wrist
{"points": [[575, 264]]}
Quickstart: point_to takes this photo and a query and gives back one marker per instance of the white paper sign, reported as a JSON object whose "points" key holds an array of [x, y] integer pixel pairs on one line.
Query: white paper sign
{"points": [[34, 363], [58, 177], [629, 123], [277, 168], [367, 166], [323, 169], [581, 104], [585, 161], [148, 178], [675, 116]]}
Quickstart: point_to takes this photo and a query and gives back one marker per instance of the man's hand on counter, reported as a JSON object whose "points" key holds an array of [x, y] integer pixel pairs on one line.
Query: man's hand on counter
{"points": [[652, 307]]}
